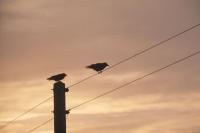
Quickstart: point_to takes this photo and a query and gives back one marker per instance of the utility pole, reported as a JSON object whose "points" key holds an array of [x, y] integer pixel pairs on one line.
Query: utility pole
{"points": [[59, 107]]}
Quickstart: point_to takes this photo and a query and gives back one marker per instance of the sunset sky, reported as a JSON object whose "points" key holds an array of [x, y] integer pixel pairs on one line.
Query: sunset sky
{"points": [[40, 38]]}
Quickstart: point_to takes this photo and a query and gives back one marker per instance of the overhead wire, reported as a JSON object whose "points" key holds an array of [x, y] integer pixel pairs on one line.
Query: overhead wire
{"points": [[44, 123], [140, 78], [126, 84], [112, 66]]}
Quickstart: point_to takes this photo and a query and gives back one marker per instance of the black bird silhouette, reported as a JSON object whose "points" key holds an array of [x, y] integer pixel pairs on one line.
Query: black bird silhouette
{"points": [[98, 66], [57, 77]]}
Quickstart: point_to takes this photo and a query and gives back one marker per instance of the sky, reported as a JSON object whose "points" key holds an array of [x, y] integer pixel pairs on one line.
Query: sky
{"points": [[47, 37]]}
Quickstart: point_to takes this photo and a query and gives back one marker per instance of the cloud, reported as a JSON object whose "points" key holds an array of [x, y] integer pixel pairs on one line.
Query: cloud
{"points": [[42, 38]]}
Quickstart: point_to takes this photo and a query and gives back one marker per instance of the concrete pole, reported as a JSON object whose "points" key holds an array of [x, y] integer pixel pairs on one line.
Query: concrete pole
{"points": [[59, 107]]}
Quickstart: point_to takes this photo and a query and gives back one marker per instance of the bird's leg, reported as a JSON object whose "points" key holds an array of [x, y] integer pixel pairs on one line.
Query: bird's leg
{"points": [[99, 72]]}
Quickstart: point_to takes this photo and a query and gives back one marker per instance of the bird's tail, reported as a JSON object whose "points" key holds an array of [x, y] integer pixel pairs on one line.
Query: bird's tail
{"points": [[88, 67]]}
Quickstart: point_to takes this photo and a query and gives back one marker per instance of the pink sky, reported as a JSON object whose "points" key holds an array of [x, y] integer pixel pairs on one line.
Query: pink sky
{"points": [[46, 37]]}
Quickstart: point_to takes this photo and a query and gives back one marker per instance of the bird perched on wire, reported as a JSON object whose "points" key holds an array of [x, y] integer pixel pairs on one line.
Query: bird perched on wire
{"points": [[57, 77], [98, 66]]}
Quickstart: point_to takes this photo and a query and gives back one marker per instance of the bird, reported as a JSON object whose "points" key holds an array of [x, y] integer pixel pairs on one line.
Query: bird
{"points": [[57, 77], [98, 66]]}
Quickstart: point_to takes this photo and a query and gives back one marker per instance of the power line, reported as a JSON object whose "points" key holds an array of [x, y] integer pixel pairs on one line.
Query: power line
{"points": [[126, 84], [44, 123], [24, 113], [140, 78], [155, 45], [112, 66]]}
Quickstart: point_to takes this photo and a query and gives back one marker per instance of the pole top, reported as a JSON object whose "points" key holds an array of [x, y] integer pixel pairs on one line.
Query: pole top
{"points": [[59, 84]]}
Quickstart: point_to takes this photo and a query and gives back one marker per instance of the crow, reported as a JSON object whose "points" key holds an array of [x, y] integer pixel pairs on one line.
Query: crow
{"points": [[98, 66], [57, 77]]}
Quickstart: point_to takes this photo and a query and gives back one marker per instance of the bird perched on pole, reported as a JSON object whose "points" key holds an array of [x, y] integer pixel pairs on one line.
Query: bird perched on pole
{"points": [[98, 66], [57, 77]]}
